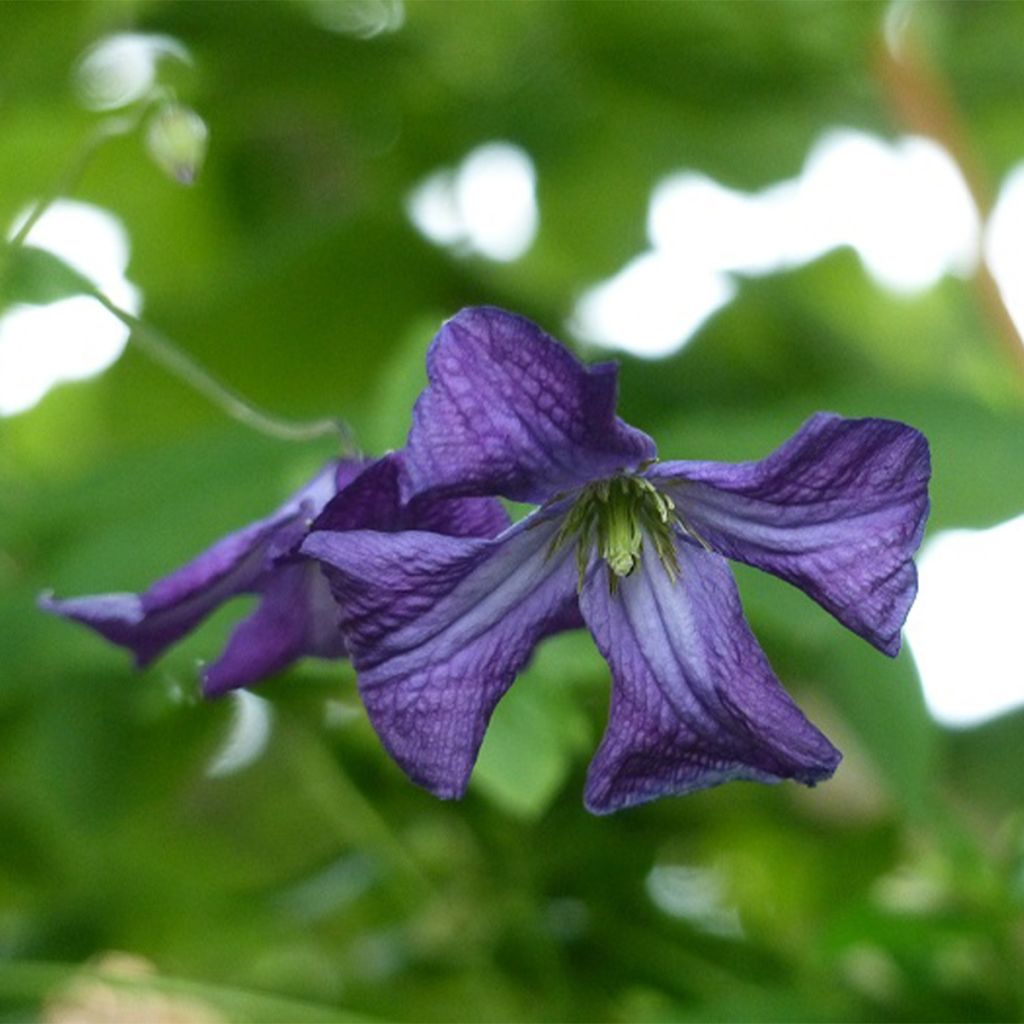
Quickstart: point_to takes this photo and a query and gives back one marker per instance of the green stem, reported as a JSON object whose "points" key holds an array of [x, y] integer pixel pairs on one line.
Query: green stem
{"points": [[163, 351], [66, 183]]}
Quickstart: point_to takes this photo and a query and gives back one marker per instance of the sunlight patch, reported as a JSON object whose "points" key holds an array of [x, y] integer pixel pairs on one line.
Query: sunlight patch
{"points": [[122, 68], [40, 346], [903, 207], [364, 19], [487, 206], [696, 895], [644, 310], [1003, 245], [698, 220], [965, 628]]}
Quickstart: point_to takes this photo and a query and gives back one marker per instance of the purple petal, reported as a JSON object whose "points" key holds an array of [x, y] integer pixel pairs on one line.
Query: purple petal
{"points": [[150, 622], [509, 411], [694, 700], [346, 470], [438, 627], [838, 510], [118, 618], [373, 501], [296, 617], [456, 517]]}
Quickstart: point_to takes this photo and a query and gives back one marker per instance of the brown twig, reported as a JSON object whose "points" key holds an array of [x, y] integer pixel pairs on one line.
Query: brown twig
{"points": [[922, 103]]}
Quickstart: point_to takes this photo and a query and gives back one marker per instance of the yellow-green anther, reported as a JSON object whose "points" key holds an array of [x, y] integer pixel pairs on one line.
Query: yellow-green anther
{"points": [[618, 530], [618, 516]]}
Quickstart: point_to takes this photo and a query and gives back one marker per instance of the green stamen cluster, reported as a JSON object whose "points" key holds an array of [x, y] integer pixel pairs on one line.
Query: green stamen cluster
{"points": [[617, 515]]}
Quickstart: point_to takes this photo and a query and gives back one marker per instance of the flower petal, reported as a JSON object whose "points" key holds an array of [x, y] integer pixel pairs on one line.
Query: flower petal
{"points": [[296, 617], [838, 510], [373, 501], [438, 627], [148, 623], [456, 517], [510, 411], [694, 700]]}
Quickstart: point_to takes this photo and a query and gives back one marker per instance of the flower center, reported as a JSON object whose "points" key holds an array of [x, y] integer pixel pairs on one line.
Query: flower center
{"points": [[618, 515]]}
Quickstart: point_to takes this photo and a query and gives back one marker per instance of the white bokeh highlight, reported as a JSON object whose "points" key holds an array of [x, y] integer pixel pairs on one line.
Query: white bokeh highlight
{"points": [[903, 207], [247, 737], [364, 19], [966, 626], [694, 218], [487, 206], [73, 338], [122, 68], [1003, 248], [644, 310], [694, 894]]}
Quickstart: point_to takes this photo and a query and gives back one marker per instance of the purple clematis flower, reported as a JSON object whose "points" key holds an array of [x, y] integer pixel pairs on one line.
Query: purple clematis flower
{"points": [[438, 627], [296, 615]]}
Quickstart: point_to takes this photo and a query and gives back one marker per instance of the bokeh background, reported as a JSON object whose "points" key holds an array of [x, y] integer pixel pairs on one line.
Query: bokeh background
{"points": [[761, 211]]}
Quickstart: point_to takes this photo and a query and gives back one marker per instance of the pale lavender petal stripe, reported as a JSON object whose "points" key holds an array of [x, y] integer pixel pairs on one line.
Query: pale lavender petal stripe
{"points": [[694, 701], [438, 627]]}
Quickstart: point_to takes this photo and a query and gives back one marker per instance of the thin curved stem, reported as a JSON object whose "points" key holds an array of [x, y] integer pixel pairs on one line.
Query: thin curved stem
{"points": [[65, 184], [163, 351]]}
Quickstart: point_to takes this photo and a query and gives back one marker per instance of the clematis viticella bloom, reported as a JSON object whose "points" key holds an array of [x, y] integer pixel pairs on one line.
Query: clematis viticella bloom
{"points": [[636, 548], [296, 615]]}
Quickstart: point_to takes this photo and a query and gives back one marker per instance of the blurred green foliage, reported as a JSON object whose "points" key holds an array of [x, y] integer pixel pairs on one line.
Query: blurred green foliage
{"points": [[317, 883]]}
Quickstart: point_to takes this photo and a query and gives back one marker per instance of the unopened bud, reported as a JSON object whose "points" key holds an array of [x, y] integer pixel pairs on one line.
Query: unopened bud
{"points": [[176, 140]]}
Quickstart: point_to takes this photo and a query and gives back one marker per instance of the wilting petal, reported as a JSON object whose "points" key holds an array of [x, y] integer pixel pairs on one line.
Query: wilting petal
{"points": [[510, 411], [373, 501], [694, 700], [838, 510], [296, 618], [438, 627], [150, 622]]}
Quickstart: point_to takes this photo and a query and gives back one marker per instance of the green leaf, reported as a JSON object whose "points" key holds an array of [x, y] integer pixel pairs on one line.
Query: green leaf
{"points": [[539, 728]]}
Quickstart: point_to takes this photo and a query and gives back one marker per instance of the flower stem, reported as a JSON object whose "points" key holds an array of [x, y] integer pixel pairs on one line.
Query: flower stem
{"points": [[68, 181], [160, 348], [173, 359]]}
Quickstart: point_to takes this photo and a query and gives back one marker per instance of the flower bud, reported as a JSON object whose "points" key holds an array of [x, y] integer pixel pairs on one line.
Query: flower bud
{"points": [[176, 140]]}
